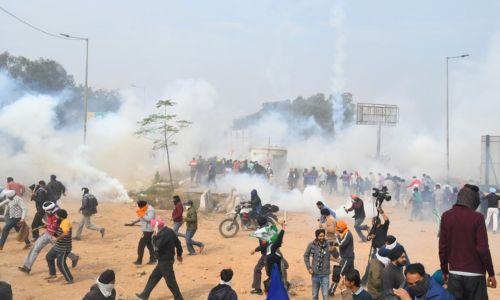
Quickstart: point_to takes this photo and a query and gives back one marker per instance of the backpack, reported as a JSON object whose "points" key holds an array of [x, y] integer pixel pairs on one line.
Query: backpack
{"points": [[92, 203]]}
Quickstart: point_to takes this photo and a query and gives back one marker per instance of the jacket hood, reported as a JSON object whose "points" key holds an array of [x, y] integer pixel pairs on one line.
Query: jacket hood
{"points": [[469, 196]]}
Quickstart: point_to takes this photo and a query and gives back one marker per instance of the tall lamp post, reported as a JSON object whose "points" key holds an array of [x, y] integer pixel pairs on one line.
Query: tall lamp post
{"points": [[448, 115], [86, 99]]}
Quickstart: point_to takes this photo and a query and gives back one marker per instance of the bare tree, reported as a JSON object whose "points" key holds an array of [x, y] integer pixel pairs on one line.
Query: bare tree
{"points": [[160, 128]]}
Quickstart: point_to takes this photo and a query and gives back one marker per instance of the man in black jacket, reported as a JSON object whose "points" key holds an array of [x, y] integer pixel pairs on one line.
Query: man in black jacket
{"points": [[166, 243], [104, 288], [40, 197], [55, 189], [223, 290], [359, 216]]}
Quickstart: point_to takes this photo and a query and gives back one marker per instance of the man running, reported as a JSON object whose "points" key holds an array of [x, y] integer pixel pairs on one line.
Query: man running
{"points": [[191, 227], [17, 215], [61, 249], [88, 208], [55, 189]]}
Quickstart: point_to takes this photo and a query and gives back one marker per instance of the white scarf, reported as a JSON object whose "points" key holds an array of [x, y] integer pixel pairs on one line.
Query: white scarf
{"points": [[382, 259], [106, 289], [391, 246], [226, 283]]}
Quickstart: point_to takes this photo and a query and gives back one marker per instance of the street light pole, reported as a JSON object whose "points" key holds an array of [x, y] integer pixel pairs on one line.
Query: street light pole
{"points": [[86, 92], [448, 115]]}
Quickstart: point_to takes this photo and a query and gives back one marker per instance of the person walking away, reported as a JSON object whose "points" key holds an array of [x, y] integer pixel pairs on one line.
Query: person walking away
{"points": [[223, 290], [166, 244], [291, 179], [350, 287], [376, 269], [439, 199], [177, 215], [104, 288], [192, 169], [420, 285], [416, 201], [48, 237], [464, 252], [145, 213], [55, 189], [212, 173], [40, 196], [393, 277], [261, 263], [17, 216], [191, 227], [14, 186], [359, 216], [88, 208], [492, 212], [61, 249], [320, 266]]}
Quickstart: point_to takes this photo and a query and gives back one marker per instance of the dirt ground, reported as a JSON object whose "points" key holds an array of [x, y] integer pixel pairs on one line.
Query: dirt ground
{"points": [[198, 274]]}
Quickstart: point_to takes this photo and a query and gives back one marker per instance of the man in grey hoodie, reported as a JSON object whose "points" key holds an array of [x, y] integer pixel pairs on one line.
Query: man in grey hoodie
{"points": [[320, 267]]}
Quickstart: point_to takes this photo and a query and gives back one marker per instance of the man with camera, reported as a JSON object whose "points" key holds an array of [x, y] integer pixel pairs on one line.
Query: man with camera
{"points": [[378, 232]]}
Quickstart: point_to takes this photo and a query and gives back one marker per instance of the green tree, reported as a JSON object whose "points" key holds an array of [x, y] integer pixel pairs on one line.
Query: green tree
{"points": [[160, 128]]}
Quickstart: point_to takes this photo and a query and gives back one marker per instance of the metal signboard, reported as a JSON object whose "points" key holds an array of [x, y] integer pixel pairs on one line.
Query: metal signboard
{"points": [[375, 114]]}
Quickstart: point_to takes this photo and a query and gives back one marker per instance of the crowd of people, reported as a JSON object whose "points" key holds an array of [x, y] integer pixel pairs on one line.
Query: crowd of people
{"points": [[330, 258], [204, 171]]}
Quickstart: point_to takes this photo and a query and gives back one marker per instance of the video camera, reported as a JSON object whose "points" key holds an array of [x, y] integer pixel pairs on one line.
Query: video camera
{"points": [[381, 195]]}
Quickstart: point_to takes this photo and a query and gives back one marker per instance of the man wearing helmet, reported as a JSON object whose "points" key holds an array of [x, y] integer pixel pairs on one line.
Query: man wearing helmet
{"points": [[17, 215], [51, 225]]}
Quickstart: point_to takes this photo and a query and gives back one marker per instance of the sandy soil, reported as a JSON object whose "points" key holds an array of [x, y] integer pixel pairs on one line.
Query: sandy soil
{"points": [[198, 274]]}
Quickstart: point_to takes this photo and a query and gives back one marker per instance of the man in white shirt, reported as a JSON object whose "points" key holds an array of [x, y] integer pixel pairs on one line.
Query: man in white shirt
{"points": [[17, 212]]}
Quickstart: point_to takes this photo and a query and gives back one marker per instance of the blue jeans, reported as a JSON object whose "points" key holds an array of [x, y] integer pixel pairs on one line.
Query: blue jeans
{"points": [[320, 281], [176, 227], [9, 224], [190, 242]]}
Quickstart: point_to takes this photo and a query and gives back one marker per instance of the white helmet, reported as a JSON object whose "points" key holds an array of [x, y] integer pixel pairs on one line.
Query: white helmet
{"points": [[49, 207]]}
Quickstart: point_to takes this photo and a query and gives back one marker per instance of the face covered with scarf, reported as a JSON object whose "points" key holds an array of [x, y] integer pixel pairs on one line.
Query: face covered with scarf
{"points": [[417, 285]]}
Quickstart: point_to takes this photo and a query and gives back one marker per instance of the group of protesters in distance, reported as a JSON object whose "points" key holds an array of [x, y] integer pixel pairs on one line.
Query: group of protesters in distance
{"points": [[466, 263], [203, 171]]}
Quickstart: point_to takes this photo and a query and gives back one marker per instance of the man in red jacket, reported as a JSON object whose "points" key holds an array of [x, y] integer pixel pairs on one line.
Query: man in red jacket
{"points": [[177, 215], [463, 248]]}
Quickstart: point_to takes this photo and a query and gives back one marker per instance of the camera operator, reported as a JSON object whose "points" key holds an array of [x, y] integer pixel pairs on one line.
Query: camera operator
{"points": [[378, 232]]}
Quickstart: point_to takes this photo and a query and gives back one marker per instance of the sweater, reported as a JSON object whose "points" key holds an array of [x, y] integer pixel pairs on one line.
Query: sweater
{"points": [[222, 292], [17, 208], [392, 277], [463, 242], [145, 221], [177, 212], [346, 246]]}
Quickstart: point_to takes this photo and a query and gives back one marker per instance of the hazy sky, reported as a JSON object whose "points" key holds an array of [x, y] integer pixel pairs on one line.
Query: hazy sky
{"points": [[252, 51]]}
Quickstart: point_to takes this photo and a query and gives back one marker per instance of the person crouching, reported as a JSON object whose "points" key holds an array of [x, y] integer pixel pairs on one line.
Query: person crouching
{"points": [[104, 288]]}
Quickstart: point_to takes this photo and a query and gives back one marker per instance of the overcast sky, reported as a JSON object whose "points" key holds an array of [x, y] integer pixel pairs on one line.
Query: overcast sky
{"points": [[254, 51]]}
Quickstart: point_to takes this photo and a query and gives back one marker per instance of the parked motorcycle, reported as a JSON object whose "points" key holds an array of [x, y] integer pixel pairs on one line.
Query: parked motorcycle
{"points": [[229, 227]]}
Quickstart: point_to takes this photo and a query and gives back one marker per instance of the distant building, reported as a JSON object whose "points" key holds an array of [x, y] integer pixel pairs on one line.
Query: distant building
{"points": [[274, 155]]}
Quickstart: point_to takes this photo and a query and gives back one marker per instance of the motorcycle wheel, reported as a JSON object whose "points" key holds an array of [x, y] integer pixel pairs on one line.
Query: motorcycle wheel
{"points": [[228, 228]]}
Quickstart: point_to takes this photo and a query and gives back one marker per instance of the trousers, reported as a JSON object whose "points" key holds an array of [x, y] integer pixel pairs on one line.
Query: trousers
{"points": [[467, 287], [257, 272], [87, 223], [37, 222], [145, 241], [492, 213], [164, 269], [358, 227], [190, 242], [44, 240], [60, 256], [9, 224], [320, 282]]}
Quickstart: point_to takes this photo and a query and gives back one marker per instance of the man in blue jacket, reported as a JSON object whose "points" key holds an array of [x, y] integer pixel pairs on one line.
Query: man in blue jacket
{"points": [[419, 285]]}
